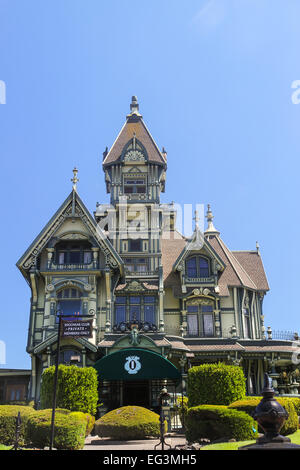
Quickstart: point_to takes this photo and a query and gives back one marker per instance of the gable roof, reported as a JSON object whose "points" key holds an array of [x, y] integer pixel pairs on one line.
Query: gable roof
{"points": [[252, 262], [195, 243], [240, 268], [71, 207]]}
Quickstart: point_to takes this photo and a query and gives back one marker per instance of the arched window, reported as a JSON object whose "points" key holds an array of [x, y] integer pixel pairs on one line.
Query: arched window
{"points": [[69, 303], [197, 267]]}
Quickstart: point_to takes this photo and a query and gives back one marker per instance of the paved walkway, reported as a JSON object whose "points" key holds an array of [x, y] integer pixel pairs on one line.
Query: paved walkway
{"points": [[96, 443]]}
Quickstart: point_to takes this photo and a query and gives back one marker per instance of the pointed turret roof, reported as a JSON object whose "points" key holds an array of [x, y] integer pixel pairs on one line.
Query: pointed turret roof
{"points": [[134, 127]]}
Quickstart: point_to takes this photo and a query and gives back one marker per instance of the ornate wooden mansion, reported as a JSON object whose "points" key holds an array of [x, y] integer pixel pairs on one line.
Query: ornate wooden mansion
{"points": [[160, 302]]}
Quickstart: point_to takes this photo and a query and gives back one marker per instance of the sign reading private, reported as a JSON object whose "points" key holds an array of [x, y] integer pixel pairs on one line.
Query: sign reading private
{"points": [[77, 328]]}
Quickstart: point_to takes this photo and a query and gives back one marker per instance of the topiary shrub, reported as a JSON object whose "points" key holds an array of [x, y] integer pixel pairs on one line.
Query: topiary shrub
{"points": [[69, 431], [249, 405], [8, 414], [215, 384], [77, 388], [87, 418], [218, 422], [128, 422]]}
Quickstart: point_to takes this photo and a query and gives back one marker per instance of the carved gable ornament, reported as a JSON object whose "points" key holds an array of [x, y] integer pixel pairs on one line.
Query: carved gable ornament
{"points": [[71, 208], [134, 286], [134, 156]]}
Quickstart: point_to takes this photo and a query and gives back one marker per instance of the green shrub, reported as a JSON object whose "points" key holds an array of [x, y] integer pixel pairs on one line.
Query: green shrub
{"points": [[88, 419], [249, 405], [77, 388], [215, 384], [8, 414], [296, 403], [69, 431], [182, 407], [218, 422], [128, 422]]}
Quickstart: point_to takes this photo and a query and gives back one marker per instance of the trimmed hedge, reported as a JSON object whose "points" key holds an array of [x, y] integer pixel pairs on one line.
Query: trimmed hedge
{"points": [[71, 428], [218, 422], [77, 388], [69, 431], [89, 419], [250, 403], [8, 414], [215, 384], [128, 422]]}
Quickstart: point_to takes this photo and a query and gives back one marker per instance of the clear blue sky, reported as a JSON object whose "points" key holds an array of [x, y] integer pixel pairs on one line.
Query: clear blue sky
{"points": [[213, 79]]}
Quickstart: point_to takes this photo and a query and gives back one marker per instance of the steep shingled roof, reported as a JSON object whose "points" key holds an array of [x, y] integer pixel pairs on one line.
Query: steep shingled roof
{"points": [[134, 126], [242, 268]]}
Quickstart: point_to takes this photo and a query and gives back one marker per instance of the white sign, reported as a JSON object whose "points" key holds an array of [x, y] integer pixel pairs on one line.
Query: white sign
{"points": [[132, 364]]}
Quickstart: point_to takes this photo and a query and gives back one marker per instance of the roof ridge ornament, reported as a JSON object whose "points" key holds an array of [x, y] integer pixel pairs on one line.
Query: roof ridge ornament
{"points": [[210, 227], [75, 179], [134, 107]]}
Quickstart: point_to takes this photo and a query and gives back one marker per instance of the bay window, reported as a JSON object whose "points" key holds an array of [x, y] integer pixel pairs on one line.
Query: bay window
{"points": [[135, 308]]}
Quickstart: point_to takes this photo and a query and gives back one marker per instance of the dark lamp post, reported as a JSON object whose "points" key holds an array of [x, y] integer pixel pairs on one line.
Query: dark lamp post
{"points": [[164, 398]]}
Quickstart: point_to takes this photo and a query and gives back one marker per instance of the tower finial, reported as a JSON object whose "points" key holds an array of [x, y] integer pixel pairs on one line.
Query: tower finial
{"points": [[134, 110], [210, 228], [134, 107], [196, 219], [75, 179]]}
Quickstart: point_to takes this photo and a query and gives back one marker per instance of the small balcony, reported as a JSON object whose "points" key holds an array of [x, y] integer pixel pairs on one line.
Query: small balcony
{"points": [[73, 266]]}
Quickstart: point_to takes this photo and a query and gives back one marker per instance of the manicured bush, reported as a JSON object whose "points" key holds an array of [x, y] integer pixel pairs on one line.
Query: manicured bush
{"points": [[182, 407], [69, 431], [77, 388], [128, 422], [296, 403], [87, 418], [215, 384], [8, 414], [249, 405], [218, 422]]}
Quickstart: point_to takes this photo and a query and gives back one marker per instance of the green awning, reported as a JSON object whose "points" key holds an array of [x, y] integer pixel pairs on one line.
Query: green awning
{"points": [[136, 364]]}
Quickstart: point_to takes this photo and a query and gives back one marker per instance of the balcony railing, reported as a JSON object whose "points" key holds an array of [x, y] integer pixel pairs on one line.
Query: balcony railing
{"points": [[195, 280], [74, 266], [137, 273]]}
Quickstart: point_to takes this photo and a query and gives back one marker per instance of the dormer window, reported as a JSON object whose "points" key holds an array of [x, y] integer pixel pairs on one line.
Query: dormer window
{"points": [[135, 185], [197, 267]]}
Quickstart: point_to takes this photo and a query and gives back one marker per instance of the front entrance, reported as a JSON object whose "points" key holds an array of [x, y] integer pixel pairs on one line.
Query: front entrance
{"points": [[136, 393]]}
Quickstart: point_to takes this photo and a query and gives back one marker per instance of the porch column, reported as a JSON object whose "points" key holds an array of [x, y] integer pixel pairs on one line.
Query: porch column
{"points": [[108, 301]]}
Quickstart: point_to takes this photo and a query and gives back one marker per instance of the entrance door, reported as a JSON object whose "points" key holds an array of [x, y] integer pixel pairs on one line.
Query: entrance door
{"points": [[136, 393]]}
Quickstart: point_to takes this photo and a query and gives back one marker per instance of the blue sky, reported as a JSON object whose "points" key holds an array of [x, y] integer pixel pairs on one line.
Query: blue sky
{"points": [[213, 79]]}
